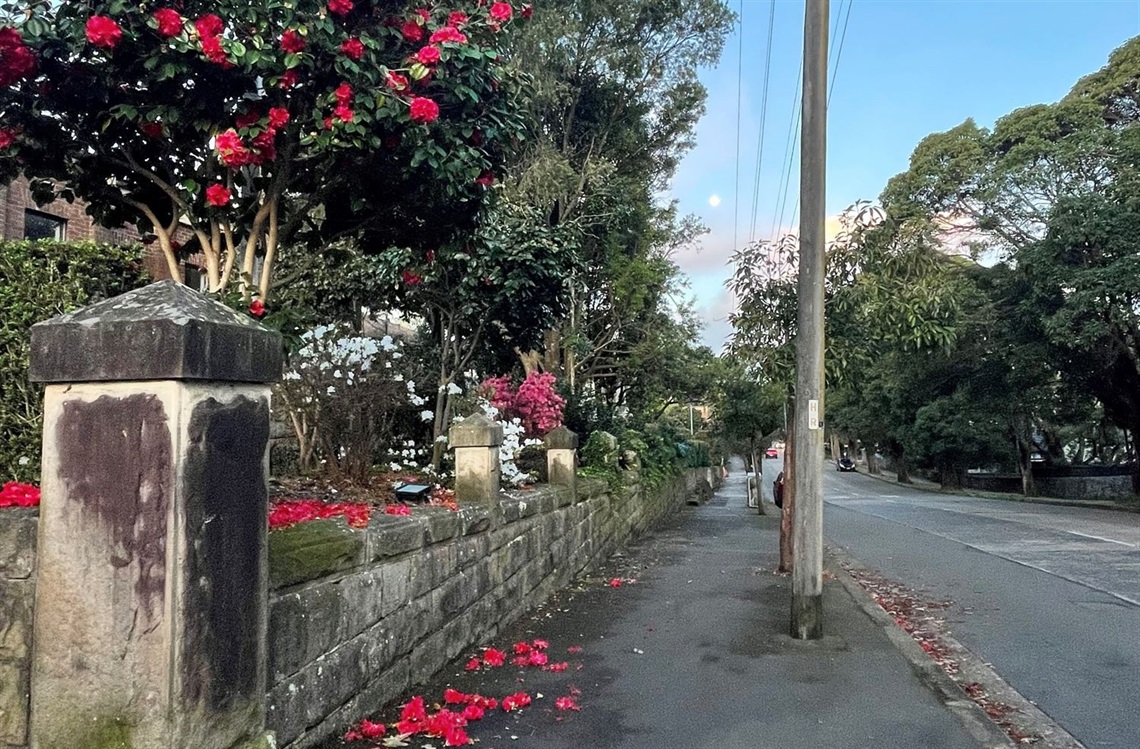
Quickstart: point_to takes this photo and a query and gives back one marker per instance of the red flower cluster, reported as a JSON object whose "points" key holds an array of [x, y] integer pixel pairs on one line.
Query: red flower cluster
{"points": [[169, 22], [14, 494], [343, 112], [536, 402], [292, 41], [456, 18], [444, 724], [428, 56], [502, 12], [352, 48], [293, 511], [218, 196], [16, 60], [102, 31], [7, 138], [210, 28], [412, 31], [448, 34], [257, 308], [424, 110], [340, 7]]}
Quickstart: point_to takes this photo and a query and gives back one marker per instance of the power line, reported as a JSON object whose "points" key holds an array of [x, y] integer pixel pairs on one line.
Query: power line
{"points": [[834, 74], [739, 97], [763, 122]]}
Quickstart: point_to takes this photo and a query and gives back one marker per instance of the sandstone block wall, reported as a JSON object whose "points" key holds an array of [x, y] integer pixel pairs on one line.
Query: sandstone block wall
{"points": [[17, 586], [356, 616]]}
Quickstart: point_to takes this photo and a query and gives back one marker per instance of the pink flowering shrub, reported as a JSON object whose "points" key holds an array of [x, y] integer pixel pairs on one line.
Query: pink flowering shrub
{"points": [[535, 402]]}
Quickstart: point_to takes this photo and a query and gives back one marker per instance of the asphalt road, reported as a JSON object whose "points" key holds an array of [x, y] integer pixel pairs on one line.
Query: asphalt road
{"points": [[1050, 596]]}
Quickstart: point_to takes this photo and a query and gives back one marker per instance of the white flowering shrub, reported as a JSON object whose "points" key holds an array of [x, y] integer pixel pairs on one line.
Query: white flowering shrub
{"points": [[350, 400], [514, 441]]}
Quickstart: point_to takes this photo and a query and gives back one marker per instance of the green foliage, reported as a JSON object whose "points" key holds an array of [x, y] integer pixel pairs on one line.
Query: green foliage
{"points": [[39, 280], [132, 126]]}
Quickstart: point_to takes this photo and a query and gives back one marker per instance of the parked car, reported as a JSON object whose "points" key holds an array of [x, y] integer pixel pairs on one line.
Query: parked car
{"points": [[771, 452], [845, 465]]}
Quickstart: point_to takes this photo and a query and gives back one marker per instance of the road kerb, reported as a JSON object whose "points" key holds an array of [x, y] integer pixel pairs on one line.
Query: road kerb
{"points": [[1026, 716]]}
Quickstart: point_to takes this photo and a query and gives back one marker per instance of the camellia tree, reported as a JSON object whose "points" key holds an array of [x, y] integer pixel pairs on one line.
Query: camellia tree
{"points": [[256, 124]]}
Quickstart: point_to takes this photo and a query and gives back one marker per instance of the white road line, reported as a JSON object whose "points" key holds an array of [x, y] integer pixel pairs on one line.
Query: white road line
{"points": [[1100, 538]]}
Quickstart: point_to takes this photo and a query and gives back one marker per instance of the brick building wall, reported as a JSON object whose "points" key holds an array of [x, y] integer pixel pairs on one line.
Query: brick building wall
{"points": [[16, 205]]}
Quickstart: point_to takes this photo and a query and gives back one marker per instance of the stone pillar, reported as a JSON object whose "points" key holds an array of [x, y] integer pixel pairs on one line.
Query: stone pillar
{"points": [[151, 580], [476, 442], [562, 458]]}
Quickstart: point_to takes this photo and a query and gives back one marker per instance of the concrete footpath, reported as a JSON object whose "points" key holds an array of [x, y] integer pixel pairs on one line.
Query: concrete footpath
{"points": [[691, 650]]}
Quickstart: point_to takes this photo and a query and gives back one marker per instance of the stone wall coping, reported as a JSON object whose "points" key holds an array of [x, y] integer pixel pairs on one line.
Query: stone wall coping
{"points": [[475, 431], [561, 438], [164, 331], [318, 548]]}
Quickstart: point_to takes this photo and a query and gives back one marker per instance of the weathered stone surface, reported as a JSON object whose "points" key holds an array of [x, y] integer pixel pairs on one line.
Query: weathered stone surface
{"points": [[391, 536], [18, 542], [475, 431], [13, 704], [164, 331], [475, 519], [311, 550], [440, 524], [561, 438]]}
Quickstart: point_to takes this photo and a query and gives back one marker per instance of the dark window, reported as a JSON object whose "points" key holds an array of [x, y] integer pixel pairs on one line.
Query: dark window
{"points": [[44, 226]]}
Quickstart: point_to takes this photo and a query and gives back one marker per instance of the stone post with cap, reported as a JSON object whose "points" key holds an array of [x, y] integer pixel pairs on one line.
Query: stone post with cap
{"points": [[151, 582], [562, 458], [476, 442]]}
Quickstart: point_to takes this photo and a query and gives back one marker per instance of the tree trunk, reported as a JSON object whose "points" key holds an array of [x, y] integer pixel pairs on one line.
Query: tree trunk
{"points": [[872, 461], [1025, 467], [950, 477], [899, 455], [835, 447], [789, 499]]}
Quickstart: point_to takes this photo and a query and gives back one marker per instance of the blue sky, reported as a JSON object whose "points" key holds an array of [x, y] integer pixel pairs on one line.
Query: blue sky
{"points": [[908, 68]]}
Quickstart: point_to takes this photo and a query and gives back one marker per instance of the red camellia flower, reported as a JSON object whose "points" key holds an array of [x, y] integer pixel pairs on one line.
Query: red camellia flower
{"points": [[102, 31], [492, 657], [217, 195], [213, 51], [287, 80], [370, 730], [473, 664], [412, 31], [231, 150], [527, 11], [352, 48], [7, 138], [566, 703], [428, 55], [292, 41], [344, 113], [257, 308], [397, 81], [456, 736], [424, 110], [448, 34], [343, 93], [397, 509], [278, 117], [502, 12], [340, 7], [424, 13], [414, 709], [151, 129], [169, 22], [522, 648], [473, 712], [455, 697], [456, 18], [411, 279], [14, 494], [16, 60], [209, 25], [486, 179]]}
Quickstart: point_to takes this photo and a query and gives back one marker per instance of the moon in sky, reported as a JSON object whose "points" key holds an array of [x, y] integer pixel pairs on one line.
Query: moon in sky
{"points": [[714, 201]]}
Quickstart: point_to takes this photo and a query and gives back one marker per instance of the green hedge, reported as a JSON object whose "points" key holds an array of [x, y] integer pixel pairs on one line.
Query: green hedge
{"points": [[39, 280]]}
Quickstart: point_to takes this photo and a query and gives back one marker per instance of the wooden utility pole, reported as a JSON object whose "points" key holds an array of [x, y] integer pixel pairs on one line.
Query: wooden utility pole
{"points": [[807, 522]]}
